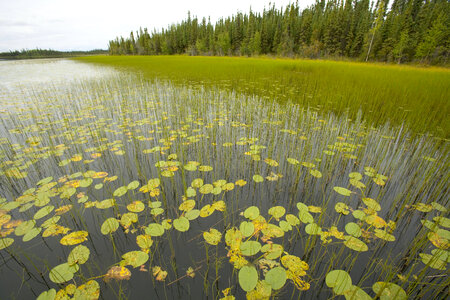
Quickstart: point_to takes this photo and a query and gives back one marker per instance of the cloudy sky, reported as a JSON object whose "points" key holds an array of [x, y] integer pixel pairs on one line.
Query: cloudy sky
{"points": [[90, 24]]}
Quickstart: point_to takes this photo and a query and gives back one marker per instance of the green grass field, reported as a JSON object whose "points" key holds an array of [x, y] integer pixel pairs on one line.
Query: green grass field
{"points": [[417, 97]]}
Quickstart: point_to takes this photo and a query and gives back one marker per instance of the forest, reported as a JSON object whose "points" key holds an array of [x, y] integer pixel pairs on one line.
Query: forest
{"points": [[399, 32], [44, 53]]}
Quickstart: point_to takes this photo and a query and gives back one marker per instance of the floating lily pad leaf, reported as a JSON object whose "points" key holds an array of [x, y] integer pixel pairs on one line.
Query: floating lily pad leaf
{"points": [[438, 241], [144, 241], [359, 214], [206, 189], [167, 224], [443, 255], [272, 251], [120, 191], [63, 272], [272, 230], [355, 175], [353, 229], [192, 214], [376, 221], [157, 211], [110, 225], [5, 242], [247, 228], [342, 208], [154, 204], [339, 280], [248, 278], [228, 187], [197, 183], [24, 227], [438, 207], [315, 209], [44, 181], [167, 173], [292, 220], [105, 204], [47, 295], [219, 205], [443, 221], [276, 277], [305, 216], [372, 204], [388, 291], [241, 182], [216, 190], [312, 229], [31, 234], [26, 207], [89, 291], [136, 206], [11, 205], [134, 259], [285, 226], [308, 165], [181, 224], [358, 184], [98, 186], [355, 244], [67, 193], [85, 182], [78, 255], [250, 248], [382, 234], [190, 167], [43, 212], [302, 207], [423, 207], [258, 178], [154, 229], [277, 212], [342, 191], [212, 236], [74, 238], [432, 261], [128, 218], [251, 212], [356, 293], [190, 192], [133, 185], [315, 173]]}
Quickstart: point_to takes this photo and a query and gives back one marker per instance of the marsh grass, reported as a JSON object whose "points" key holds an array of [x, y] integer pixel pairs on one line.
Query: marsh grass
{"points": [[138, 127]]}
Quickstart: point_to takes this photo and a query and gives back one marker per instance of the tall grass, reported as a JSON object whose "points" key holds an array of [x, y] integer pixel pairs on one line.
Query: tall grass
{"points": [[415, 97]]}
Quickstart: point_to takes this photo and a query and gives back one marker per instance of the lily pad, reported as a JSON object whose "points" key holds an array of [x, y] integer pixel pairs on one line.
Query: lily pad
{"points": [[388, 291], [355, 244], [31, 234], [247, 228], [154, 229], [276, 277], [250, 248], [110, 225], [63, 272], [339, 280], [353, 229], [251, 212], [74, 238], [342, 191], [78, 255], [212, 236], [134, 258], [258, 178], [248, 278], [181, 224], [277, 212], [120, 191], [5, 242]]}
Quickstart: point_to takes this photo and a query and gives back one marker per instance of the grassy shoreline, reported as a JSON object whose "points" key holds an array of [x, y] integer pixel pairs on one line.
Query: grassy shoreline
{"points": [[395, 94]]}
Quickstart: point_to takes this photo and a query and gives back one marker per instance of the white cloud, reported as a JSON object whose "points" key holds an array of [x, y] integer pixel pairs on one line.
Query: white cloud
{"points": [[90, 24]]}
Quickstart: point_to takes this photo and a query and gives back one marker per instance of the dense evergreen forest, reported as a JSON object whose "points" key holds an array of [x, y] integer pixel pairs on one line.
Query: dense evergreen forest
{"points": [[44, 53], [401, 31]]}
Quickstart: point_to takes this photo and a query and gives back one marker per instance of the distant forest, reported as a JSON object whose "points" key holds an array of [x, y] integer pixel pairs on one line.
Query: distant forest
{"points": [[43, 53], [401, 31]]}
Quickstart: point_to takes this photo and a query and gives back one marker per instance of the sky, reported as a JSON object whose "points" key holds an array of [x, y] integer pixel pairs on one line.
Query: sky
{"points": [[89, 24]]}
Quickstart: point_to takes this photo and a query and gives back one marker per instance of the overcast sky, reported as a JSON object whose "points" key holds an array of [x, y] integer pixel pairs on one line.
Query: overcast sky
{"points": [[90, 24]]}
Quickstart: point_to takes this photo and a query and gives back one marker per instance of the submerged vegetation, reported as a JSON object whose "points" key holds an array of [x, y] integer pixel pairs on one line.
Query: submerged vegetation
{"points": [[151, 188]]}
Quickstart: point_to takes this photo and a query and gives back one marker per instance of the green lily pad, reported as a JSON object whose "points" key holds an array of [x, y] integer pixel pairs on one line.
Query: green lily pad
{"points": [[276, 277], [277, 212], [120, 191], [5, 242], [341, 208], [372, 204], [355, 175], [250, 248], [197, 183], [353, 229], [78, 255], [272, 251], [181, 224], [359, 214], [248, 278], [247, 228], [312, 229], [285, 226], [43, 212], [133, 185], [44, 181], [136, 206], [292, 220], [47, 295], [31, 234], [251, 212], [433, 261], [206, 189], [190, 192], [192, 214], [110, 225], [356, 293], [342, 191], [443, 221], [134, 258], [258, 178], [388, 291], [355, 244], [339, 280], [438, 207], [212, 236], [154, 229], [382, 234], [63, 272], [305, 217], [315, 173], [24, 227]]}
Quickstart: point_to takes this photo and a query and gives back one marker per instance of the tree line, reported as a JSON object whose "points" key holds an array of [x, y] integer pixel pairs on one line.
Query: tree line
{"points": [[401, 31], [44, 53]]}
